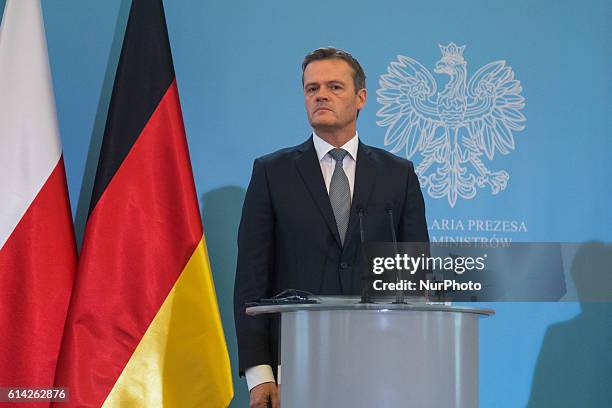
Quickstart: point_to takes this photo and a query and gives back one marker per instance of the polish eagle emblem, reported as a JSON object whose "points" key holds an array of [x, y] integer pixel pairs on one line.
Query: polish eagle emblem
{"points": [[456, 132]]}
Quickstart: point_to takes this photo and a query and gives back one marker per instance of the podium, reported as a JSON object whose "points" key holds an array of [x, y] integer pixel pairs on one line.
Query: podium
{"points": [[346, 354]]}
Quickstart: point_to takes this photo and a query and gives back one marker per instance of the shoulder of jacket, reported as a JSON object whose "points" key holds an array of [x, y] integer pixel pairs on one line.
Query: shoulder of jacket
{"points": [[391, 159]]}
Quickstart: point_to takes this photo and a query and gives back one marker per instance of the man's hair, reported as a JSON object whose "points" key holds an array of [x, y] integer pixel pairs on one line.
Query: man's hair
{"points": [[327, 53]]}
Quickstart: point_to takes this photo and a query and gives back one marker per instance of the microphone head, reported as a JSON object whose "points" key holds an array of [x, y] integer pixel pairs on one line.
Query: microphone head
{"points": [[389, 205], [360, 208]]}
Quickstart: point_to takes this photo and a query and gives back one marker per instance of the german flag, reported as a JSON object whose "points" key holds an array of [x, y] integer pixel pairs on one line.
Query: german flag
{"points": [[143, 326]]}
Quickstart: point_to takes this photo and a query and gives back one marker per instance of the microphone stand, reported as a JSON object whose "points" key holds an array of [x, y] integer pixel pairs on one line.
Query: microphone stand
{"points": [[399, 293], [365, 288]]}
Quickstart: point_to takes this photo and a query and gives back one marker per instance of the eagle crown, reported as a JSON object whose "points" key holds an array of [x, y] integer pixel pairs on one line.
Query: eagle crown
{"points": [[452, 54]]}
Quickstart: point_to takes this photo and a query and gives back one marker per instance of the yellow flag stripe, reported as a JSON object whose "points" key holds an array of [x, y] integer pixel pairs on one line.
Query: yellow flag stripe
{"points": [[182, 359]]}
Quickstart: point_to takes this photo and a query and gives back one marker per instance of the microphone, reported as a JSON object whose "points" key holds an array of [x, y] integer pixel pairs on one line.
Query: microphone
{"points": [[365, 287], [360, 211], [399, 293]]}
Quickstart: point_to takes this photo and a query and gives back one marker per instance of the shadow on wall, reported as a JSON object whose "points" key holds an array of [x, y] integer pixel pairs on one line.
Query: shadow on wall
{"points": [[574, 368], [97, 132], [221, 210]]}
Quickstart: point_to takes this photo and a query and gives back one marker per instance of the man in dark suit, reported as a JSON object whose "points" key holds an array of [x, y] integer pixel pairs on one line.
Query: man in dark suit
{"points": [[299, 226]]}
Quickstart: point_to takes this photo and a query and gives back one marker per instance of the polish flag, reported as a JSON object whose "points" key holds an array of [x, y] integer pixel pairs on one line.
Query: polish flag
{"points": [[37, 247]]}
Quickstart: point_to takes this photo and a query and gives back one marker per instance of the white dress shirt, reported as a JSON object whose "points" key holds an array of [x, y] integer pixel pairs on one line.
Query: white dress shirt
{"points": [[263, 373], [328, 164]]}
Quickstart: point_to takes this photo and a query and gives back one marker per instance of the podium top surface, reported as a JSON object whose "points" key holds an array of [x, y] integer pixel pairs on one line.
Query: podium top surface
{"points": [[347, 304]]}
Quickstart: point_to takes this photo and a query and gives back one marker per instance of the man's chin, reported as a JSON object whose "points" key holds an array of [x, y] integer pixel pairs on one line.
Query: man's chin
{"points": [[323, 127], [323, 122]]}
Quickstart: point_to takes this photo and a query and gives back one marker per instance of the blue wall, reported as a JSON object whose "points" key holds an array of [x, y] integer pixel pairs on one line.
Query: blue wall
{"points": [[238, 71]]}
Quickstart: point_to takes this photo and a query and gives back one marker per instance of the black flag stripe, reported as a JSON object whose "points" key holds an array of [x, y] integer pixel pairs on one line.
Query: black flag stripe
{"points": [[144, 73]]}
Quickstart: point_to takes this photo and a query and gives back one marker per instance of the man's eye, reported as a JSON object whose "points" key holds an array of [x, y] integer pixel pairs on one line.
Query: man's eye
{"points": [[310, 89], [336, 87]]}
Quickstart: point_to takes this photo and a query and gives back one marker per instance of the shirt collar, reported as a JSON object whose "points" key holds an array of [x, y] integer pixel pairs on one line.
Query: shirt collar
{"points": [[322, 147]]}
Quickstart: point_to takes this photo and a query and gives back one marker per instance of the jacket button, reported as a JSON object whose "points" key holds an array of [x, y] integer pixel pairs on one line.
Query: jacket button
{"points": [[344, 265]]}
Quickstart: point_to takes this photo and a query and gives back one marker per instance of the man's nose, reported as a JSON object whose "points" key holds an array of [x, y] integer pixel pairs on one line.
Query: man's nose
{"points": [[322, 95]]}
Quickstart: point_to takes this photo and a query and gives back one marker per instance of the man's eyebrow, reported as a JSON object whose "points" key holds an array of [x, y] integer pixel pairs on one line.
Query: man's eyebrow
{"points": [[331, 81]]}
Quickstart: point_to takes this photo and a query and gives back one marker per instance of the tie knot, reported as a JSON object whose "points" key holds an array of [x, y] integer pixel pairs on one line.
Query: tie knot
{"points": [[338, 154]]}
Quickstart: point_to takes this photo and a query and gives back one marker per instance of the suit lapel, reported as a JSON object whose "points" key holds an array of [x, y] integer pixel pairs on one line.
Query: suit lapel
{"points": [[310, 170], [365, 176]]}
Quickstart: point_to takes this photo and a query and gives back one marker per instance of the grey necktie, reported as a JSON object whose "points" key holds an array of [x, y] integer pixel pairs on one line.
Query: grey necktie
{"points": [[340, 193]]}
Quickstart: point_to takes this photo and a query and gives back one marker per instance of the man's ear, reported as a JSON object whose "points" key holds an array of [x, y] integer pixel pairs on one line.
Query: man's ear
{"points": [[362, 95]]}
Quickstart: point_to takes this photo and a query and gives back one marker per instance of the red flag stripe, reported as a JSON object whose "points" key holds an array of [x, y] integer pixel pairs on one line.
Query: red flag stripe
{"points": [[37, 265], [138, 239]]}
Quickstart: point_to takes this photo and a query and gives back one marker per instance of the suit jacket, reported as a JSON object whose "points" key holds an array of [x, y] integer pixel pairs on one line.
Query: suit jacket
{"points": [[288, 236]]}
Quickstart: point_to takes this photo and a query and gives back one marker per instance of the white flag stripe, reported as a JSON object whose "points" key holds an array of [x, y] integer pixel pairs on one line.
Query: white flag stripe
{"points": [[29, 136]]}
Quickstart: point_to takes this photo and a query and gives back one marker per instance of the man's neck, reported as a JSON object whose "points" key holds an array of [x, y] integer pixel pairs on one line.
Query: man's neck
{"points": [[335, 137]]}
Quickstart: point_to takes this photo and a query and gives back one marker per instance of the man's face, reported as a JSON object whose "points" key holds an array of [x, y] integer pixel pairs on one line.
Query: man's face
{"points": [[329, 95]]}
